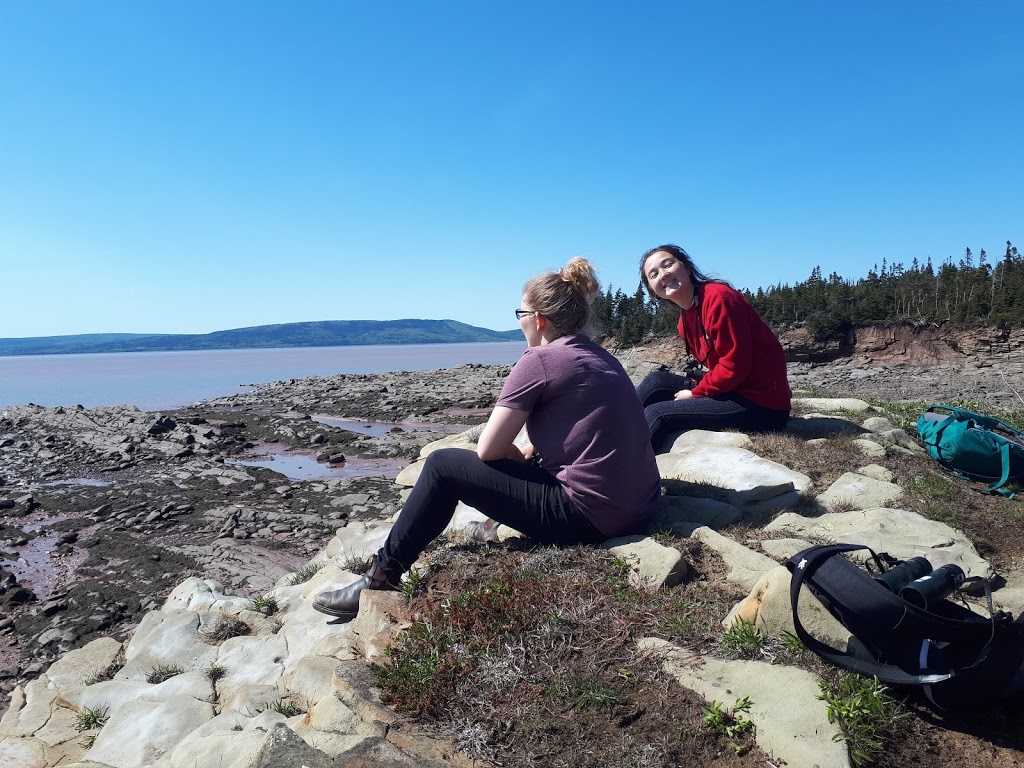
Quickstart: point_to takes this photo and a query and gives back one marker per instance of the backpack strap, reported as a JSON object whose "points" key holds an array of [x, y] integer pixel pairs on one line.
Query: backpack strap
{"points": [[887, 673], [997, 486]]}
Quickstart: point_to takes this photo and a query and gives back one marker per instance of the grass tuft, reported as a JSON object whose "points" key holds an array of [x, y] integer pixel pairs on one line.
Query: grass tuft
{"points": [[163, 672], [91, 717], [742, 640], [305, 573], [579, 692], [228, 627], [865, 712], [265, 604], [730, 722], [215, 672], [283, 707]]}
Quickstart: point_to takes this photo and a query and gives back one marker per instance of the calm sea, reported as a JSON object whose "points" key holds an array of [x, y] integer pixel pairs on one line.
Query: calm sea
{"points": [[161, 380]]}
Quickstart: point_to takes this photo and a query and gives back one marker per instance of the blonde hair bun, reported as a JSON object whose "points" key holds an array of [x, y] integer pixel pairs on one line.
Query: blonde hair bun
{"points": [[581, 276]]}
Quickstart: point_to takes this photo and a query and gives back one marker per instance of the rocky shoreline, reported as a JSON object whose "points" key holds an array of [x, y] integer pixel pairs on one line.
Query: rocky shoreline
{"points": [[103, 511], [106, 510]]}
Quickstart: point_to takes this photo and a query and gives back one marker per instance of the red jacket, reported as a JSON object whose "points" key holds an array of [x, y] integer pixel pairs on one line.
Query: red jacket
{"points": [[742, 355]]}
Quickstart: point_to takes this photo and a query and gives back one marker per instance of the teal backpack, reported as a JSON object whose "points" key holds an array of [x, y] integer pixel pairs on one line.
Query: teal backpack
{"points": [[973, 446]]}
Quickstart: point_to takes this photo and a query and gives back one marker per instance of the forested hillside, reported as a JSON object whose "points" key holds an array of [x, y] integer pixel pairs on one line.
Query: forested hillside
{"points": [[972, 291]]}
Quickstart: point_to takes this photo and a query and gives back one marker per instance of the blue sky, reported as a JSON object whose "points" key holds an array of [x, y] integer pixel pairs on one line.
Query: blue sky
{"points": [[185, 167]]}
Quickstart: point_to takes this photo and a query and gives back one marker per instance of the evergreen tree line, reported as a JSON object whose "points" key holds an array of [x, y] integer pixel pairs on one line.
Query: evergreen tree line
{"points": [[972, 291]]}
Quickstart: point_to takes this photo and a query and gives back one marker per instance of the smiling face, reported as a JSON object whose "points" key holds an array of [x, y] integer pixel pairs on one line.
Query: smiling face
{"points": [[669, 279]]}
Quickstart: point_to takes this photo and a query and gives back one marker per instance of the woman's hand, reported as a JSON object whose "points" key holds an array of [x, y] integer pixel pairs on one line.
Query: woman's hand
{"points": [[684, 394], [496, 441]]}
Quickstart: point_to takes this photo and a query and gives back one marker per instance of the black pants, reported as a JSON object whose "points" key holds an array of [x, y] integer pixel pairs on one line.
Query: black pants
{"points": [[520, 495], [729, 411]]}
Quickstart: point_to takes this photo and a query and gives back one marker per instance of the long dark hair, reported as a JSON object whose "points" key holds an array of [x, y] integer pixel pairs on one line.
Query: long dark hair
{"points": [[696, 276]]}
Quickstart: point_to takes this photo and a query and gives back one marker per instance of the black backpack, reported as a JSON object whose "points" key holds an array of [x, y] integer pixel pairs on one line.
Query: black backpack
{"points": [[962, 661]]}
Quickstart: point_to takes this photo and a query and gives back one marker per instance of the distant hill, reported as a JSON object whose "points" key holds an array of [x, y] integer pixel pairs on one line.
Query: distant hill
{"points": [[327, 333]]}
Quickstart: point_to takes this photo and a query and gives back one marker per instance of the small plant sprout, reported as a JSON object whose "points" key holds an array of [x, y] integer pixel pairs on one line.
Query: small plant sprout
{"points": [[265, 604], [228, 627], [215, 672], [88, 740], [305, 573], [582, 692], [356, 563], [865, 712], [729, 722], [90, 718], [283, 707], [163, 672], [412, 585], [743, 640]]}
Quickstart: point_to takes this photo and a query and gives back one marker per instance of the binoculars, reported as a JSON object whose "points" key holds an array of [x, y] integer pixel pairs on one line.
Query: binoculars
{"points": [[919, 585]]}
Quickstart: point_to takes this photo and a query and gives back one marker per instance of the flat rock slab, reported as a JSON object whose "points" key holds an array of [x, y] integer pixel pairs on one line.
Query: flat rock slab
{"points": [[832, 404], [138, 733], [745, 476], [791, 723], [652, 565], [901, 533], [746, 567], [682, 515], [703, 438], [858, 491], [815, 426]]}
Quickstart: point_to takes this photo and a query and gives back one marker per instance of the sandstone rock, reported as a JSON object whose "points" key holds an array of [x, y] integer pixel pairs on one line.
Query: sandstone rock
{"points": [[138, 733], [702, 438], [901, 533], [791, 723], [746, 567], [382, 616], [683, 514], [745, 476], [832, 404], [858, 491], [769, 607], [651, 565]]}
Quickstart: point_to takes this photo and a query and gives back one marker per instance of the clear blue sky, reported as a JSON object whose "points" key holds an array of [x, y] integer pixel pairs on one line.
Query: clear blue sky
{"points": [[188, 166]]}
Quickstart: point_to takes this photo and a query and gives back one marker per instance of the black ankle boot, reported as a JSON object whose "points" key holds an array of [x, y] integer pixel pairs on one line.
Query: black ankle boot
{"points": [[344, 602]]}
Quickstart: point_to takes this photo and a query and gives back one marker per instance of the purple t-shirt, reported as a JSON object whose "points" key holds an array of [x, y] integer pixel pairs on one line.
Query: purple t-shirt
{"points": [[588, 427]]}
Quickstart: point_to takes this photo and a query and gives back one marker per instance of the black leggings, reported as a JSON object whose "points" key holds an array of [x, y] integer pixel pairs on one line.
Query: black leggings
{"points": [[521, 495], [729, 411]]}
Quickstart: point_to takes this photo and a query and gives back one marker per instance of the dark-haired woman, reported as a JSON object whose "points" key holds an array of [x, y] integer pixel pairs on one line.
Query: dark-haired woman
{"points": [[745, 386], [588, 474]]}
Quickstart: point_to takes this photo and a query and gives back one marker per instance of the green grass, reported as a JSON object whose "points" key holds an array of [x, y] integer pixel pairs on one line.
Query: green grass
{"points": [[930, 485], [228, 627], [103, 673], [215, 672], [283, 707], [742, 640], [357, 563], [265, 604], [579, 692], [413, 584], [163, 672], [866, 714], [305, 573], [90, 718], [730, 722]]}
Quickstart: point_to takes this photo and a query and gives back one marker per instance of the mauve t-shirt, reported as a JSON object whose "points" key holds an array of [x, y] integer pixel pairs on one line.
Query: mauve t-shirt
{"points": [[588, 426]]}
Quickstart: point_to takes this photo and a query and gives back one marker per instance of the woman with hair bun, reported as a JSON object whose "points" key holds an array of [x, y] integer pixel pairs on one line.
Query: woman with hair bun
{"points": [[745, 386], [587, 474]]}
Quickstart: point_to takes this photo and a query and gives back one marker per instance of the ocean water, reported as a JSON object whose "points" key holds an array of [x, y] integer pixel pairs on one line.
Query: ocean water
{"points": [[162, 380]]}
